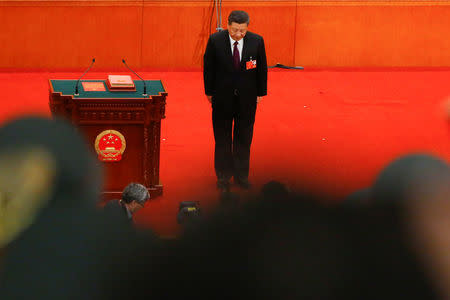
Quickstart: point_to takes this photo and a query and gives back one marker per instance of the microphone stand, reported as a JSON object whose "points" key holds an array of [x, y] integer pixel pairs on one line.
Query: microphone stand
{"points": [[145, 86], [78, 81]]}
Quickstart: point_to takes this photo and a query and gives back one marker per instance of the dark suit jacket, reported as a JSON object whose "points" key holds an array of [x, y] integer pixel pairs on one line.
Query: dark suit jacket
{"points": [[116, 210], [221, 79]]}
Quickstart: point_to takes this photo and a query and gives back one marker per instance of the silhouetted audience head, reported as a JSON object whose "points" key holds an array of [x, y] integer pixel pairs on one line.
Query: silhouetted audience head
{"points": [[43, 163], [401, 181], [408, 217], [427, 215], [275, 191], [406, 176]]}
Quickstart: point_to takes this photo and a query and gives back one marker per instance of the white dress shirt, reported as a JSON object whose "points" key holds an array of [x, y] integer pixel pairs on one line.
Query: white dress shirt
{"points": [[240, 45]]}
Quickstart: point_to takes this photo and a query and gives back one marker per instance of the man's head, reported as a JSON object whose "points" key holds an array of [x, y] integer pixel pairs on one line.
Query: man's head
{"points": [[238, 21], [134, 196]]}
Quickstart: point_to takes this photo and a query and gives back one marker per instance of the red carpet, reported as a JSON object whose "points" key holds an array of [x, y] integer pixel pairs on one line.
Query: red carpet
{"points": [[327, 131]]}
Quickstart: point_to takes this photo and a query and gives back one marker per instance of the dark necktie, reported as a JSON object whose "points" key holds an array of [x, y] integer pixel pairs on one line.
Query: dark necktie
{"points": [[236, 59]]}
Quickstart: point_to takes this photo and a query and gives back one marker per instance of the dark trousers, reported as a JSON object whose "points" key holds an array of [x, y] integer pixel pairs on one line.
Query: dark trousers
{"points": [[233, 133]]}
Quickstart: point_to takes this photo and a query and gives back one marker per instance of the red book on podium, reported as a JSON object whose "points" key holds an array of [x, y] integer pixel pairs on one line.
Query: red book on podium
{"points": [[120, 83]]}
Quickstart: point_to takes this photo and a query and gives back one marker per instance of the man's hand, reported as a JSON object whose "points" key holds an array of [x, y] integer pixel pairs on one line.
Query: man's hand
{"points": [[209, 98], [258, 99]]}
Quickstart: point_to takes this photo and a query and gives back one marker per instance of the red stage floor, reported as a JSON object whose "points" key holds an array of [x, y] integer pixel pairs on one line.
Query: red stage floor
{"points": [[327, 131]]}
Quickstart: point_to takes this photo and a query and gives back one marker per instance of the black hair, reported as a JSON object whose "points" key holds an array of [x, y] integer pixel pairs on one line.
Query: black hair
{"points": [[238, 16]]}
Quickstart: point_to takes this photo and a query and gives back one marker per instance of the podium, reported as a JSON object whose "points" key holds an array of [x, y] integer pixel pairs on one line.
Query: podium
{"points": [[123, 128]]}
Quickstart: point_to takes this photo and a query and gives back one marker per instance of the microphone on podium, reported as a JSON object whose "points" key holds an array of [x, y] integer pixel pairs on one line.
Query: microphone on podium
{"points": [[78, 81], [145, 86]]}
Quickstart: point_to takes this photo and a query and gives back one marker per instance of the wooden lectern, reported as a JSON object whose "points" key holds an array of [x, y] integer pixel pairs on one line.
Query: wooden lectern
{"points": [[124, 129]]}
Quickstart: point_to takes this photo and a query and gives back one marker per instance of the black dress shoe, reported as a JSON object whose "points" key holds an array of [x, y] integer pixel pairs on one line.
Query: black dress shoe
{"points": [[223, 185], [243, 183]]}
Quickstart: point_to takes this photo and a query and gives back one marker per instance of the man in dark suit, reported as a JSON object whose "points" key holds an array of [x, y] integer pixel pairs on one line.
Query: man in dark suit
{"points": [[133, 199], [235, 78]]}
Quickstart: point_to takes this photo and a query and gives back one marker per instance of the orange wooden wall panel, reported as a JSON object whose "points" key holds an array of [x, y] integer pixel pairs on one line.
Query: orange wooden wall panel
{"points": [[173, 34], [68, 36], [373, 35], [176, 36]]}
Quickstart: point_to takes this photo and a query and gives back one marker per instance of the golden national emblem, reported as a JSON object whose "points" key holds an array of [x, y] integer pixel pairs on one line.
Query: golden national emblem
{"points": [[110, 145]]}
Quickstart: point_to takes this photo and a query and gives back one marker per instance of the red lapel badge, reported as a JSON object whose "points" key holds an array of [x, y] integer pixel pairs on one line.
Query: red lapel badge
{"points": [[251, 64]]}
